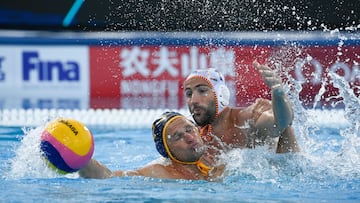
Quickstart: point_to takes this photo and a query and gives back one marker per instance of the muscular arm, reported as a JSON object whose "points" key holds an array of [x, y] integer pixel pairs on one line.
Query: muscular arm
{"points": [[94, 169], [282, 109], [277, 119]]}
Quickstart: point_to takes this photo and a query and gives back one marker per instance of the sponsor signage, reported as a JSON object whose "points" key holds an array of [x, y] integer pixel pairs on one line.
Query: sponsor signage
{"points": [[153, 76], [44, 77]]}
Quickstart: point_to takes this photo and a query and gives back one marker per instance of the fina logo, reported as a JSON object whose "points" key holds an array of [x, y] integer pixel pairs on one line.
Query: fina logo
{"points": [[49, 70]]}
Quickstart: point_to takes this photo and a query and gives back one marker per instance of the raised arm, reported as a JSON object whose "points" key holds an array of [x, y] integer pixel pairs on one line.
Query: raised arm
{"points": [[282, 114]]}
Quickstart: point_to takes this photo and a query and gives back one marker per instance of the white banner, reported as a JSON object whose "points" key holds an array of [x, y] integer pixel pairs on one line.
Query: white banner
{"points": [[44, 76]]}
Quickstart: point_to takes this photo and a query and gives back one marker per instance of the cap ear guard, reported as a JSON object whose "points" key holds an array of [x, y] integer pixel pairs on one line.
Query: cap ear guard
{"points": [[223, 95]]}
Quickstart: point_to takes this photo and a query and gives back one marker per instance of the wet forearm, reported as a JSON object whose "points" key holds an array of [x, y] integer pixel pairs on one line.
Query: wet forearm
{"points": [[95, 169], [282, 109]]}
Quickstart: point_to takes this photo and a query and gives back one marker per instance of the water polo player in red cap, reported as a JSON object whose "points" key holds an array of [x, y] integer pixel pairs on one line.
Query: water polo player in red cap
{"points": [[207, 97], [177, 139]]}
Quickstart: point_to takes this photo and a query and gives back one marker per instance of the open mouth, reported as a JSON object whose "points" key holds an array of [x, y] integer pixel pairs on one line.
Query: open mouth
{"points": [[196, 111]]}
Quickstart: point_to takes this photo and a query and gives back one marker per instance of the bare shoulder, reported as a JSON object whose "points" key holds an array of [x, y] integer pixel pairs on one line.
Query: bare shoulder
{"points": [[157, 170]]}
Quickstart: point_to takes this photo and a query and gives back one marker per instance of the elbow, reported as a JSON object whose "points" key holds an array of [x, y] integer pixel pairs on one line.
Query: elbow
{"points": [[282, 125]]}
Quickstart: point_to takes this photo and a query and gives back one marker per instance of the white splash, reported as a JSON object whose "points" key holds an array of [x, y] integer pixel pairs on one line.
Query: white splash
{"points": [[28, 161]]}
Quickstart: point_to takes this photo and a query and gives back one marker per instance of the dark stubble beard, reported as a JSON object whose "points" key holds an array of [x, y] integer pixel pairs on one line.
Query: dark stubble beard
{"points": [[208, 117]]}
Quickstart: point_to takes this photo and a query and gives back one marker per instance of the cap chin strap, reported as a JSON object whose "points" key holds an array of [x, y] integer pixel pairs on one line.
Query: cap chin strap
{"points": [[203, 168]]}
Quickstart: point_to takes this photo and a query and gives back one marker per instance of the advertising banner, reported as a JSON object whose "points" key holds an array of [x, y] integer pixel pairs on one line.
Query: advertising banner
{"points": [[153, 76], [44, 77]]}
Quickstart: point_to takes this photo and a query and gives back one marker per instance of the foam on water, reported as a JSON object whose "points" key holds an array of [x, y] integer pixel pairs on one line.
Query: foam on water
{"points": [[28, 161]]}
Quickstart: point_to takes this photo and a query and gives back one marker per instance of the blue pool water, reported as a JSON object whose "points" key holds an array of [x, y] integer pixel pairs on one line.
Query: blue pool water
{"points": [[326, 170]]}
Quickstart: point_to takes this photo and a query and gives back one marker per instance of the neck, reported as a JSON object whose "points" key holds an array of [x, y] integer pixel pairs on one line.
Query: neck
{"points": [[219, 116]]}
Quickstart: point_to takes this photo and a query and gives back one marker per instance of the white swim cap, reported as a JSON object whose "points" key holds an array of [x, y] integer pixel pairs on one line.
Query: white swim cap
{"points": [[217, 82]]}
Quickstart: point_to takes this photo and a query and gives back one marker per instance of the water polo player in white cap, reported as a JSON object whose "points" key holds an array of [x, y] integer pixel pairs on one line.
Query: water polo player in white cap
{"points": [[177, 139], [222, 127]]}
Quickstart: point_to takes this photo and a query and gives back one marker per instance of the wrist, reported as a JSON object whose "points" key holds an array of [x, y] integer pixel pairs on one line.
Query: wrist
{"points": [[277, 90], [276, 86]]}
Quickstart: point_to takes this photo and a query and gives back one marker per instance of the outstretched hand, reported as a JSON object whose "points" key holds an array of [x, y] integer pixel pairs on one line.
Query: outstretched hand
{"points": [[271, 80]]}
